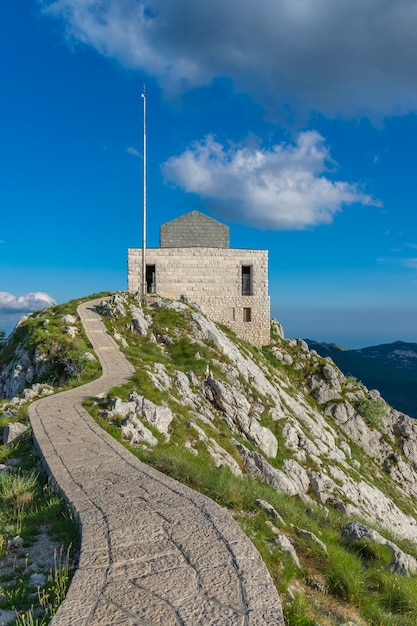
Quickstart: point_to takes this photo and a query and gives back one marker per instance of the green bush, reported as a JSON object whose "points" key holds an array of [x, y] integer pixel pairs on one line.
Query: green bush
{"points": [[372, 411]]}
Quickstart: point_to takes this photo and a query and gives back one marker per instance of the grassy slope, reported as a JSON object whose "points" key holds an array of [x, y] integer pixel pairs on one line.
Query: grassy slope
{"points": [[345, 582]]}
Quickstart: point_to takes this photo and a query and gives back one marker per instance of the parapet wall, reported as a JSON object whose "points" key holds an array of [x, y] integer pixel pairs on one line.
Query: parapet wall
{"points": [[212, 277]]}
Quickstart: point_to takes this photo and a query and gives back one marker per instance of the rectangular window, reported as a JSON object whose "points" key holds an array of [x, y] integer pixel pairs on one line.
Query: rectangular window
{"points": [[150, 279], [246, 280], [247, 314]]}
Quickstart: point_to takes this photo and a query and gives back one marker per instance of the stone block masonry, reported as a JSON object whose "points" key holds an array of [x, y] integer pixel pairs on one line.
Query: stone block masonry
{"points": [[194, 230], [213, 278]]}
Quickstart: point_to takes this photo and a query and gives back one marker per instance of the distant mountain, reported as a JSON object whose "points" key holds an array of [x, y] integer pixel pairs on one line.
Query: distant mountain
{"points": [[391, 368]]}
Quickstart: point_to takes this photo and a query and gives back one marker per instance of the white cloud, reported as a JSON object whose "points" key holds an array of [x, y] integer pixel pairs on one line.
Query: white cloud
{"points": [[349, 57], [284, 187], [133, 151], [25, 303]]}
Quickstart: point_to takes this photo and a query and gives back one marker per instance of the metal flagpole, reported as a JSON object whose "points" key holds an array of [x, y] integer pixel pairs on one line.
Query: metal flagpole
{"points": [[144, 289]]}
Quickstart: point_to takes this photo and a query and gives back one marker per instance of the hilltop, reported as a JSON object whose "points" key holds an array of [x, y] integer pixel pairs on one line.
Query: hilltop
{"points": [[318, 469]]}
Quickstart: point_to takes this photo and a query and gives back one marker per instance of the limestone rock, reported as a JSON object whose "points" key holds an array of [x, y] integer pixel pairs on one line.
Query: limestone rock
{"points": [[159, 377], [236, 409], [303, 345], [136, 432], [120, 408], [69, 320], [16, 543], [71, 331], [120, 339], [12, 432], [220, 456], [282, 356], [277, 328], [401, 563], [37, 580], [159, 416], [139, 322], [297, 474], [269, 509], [301, 532], [7, 617], [287, 547], [259, 467]]}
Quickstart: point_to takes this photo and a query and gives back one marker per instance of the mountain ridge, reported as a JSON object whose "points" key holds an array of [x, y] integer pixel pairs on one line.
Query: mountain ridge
{"points": [[391, 368]]}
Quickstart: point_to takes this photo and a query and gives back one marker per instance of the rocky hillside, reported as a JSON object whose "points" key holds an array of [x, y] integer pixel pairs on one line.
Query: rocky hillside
{"points": [[389, 367], [319, 470]]}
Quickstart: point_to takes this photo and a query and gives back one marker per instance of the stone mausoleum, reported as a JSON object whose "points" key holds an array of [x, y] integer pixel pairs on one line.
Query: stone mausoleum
{"points": [[194, 259]]}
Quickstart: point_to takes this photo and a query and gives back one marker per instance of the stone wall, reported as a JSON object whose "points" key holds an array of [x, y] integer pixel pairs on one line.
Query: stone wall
{"points": [[194, 230], [212, 277]]}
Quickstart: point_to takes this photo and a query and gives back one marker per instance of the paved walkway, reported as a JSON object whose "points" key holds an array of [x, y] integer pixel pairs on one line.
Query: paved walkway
{"points": [[153, 552]]}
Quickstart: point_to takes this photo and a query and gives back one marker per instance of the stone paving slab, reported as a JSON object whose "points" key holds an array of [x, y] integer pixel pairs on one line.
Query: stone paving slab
{"points": [[153, 552]]}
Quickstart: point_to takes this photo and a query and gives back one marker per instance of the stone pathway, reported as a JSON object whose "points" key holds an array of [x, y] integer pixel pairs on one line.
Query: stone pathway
{"points": [[153, 552]]}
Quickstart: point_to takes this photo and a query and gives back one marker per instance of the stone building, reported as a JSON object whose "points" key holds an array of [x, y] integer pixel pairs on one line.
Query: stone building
{"points": [[194, 259]]}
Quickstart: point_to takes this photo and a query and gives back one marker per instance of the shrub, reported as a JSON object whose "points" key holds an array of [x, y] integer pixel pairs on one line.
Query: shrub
{"points": [[372, 411]]}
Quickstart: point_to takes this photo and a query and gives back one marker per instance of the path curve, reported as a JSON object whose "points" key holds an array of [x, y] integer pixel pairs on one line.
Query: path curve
{"points": [[153, 551]]}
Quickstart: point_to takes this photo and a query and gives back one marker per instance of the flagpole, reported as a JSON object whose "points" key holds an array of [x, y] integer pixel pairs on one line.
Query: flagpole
{"points": [[144, 289]]}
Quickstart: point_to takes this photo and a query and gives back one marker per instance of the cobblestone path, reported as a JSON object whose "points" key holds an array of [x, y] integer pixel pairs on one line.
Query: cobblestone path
{"points": [[153, 552]]}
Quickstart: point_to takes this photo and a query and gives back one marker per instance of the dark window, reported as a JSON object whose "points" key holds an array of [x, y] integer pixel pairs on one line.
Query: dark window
{"points": [[150, 279], [247, 314], [246, 280]]}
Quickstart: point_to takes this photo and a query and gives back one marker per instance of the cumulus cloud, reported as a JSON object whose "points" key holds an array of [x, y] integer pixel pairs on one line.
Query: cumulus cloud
{"points": [[283, 187], [349, 57], [11, 304]]}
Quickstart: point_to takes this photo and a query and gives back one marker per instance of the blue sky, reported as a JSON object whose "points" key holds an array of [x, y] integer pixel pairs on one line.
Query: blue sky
{"points": [[292, 121]]}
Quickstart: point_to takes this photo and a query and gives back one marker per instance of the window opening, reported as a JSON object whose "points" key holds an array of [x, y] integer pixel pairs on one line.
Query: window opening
{"points": [[246, 280], [247, 314], [150, 279]]}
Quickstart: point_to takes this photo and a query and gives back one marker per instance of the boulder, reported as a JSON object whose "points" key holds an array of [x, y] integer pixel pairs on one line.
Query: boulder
{"points": [[68, 319], [159, 416], [139, 322], [277, 328], [259, 467], [402, 563], [71, 331], [136, 432], [12, 432], [269, 510], [286, 546]]}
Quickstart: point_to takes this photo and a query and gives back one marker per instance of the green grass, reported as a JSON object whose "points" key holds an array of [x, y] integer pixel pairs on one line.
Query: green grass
{"points": [[63, 362], [28, 503], [353, 576]]}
